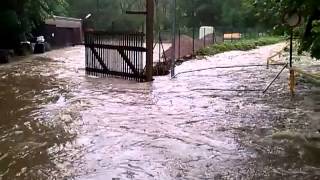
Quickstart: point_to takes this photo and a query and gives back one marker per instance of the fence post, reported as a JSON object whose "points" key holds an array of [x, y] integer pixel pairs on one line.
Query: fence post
{"points": [[149, 39], [292, 77], [223, 36], [213, 37], [232, 36], [159, 41], [193, 36], [204, 37], [179, 48]]}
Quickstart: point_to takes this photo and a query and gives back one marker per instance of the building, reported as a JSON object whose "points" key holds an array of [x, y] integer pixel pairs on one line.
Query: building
{"points": [[62, 31]]}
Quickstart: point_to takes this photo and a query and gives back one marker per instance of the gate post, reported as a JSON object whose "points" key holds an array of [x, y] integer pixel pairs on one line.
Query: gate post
{"points": [[149, 39]]}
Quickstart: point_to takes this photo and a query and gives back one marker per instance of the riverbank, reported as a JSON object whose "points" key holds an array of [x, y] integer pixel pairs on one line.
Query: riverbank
{"points": [[308, 69]]}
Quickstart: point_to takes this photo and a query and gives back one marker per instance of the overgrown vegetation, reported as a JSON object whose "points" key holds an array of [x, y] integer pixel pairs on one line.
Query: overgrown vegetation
{"points": [[272, 11], [111, 14], [19, 17], [307, 79], [242, 45]]}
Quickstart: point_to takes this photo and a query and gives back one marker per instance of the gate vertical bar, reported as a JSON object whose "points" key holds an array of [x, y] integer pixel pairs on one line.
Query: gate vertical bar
{"points": [[124, 40], [134, 54], [118, 39], [123, 43], [94, 57], [109, 41], [98, 51], [97, 38], [91, 54], [86, 51], [99, 42], [137, 40], [104, 54], [122, 65], [141, 55], [127, 53]]}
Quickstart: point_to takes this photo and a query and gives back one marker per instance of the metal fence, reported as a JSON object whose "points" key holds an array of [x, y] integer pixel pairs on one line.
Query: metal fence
{"points": [[189, 40]]}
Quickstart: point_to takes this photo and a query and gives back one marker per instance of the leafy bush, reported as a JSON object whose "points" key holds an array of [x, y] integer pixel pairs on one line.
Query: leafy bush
{"points": [[242, 45]]}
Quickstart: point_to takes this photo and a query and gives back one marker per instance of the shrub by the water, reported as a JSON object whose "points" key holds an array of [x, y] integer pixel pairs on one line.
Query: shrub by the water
{"points": [[242, 45]]}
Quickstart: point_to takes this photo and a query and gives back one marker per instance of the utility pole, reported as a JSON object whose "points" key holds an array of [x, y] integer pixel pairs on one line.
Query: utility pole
{"points": [[149, 13], [149, 39], [173, 58]]}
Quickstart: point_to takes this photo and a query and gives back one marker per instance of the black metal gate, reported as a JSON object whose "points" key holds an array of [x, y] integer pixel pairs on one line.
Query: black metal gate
{"points": [[115, 54]]}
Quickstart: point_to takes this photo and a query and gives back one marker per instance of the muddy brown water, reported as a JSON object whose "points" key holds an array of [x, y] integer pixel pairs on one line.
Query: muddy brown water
{"points": [[58, 123]]}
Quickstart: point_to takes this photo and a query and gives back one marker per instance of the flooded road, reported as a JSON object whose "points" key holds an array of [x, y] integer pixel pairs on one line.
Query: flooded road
{"points": [[58, 123]]}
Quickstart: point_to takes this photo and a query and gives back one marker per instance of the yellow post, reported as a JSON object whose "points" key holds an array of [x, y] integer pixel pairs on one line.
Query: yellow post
{"points": [[292, 82]]}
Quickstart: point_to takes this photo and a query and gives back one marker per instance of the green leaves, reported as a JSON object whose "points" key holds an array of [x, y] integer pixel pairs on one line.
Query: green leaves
{"points": [[109, 14], [242, 45], [309, 9], [19, 17], [316, 26], [315, 46]]}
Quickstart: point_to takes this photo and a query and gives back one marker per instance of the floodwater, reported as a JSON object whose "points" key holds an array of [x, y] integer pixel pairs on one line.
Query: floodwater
{"points": [[58, 123]]}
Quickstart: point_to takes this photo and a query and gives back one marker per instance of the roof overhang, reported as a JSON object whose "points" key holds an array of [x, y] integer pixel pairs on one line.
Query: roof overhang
{"points": [[64, 22]]}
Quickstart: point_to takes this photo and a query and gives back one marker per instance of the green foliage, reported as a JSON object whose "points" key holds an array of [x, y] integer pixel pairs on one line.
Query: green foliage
{"points": [[232, 14], [19, 17], [108, 14], [242, 45], [309, 34]]}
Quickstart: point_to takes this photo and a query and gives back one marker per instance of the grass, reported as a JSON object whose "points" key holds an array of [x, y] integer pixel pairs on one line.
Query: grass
{"points": [[242, 45], [310, 80]]}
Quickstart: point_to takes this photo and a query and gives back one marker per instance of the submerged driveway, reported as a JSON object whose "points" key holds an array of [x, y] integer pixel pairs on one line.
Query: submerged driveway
{"points": [[58, 123]]}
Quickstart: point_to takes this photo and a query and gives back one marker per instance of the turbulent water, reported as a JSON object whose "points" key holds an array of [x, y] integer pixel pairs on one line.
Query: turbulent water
{"points": [[58, 123]]}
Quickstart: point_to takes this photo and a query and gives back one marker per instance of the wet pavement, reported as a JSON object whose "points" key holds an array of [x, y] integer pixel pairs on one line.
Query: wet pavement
{"points": [[58, 123]]}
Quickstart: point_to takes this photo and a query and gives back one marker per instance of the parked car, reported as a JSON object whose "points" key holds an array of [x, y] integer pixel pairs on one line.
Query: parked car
{"points": [[4, 56], [39, 46]]}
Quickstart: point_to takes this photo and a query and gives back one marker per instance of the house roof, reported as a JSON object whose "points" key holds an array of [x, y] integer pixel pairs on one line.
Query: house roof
{"points": [[65, 22]]}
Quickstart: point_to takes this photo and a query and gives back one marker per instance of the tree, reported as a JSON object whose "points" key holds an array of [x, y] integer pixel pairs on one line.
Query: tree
{"points": [[108, 14], [308, 9], [19, 17]]}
